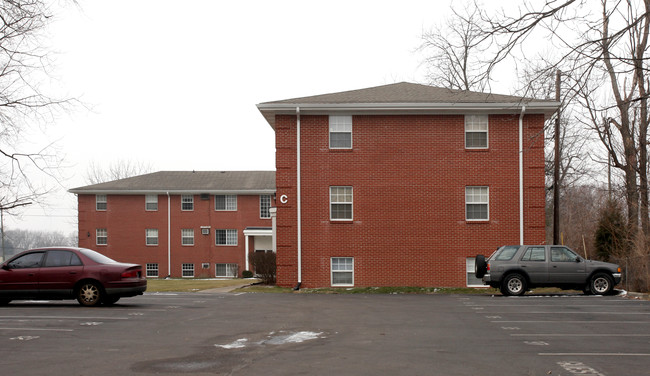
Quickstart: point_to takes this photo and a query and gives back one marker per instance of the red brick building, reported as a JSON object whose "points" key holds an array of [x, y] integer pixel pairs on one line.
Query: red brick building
{"points": [[178, 223], [403, 184]]}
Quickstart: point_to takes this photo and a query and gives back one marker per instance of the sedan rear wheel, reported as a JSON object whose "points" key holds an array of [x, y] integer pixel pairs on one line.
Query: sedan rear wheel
{"points": [[89, 294], [601, 284], [514, 284]]}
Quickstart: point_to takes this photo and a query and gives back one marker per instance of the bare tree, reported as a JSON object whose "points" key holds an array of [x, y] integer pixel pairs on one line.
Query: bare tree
{"points": [[17, 241], [24, 104], [601, 47], [456, 52], [116, 170]]}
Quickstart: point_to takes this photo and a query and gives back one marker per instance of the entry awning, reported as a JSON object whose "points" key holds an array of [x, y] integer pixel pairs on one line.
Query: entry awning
{"points": [[258, 231]]}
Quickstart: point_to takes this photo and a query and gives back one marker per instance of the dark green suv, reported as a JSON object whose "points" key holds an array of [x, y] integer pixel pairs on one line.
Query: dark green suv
{"points": [[516, 268]]}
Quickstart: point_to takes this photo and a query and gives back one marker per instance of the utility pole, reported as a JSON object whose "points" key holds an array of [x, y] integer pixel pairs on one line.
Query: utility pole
{"points": [[556, 172], [2, 228]]}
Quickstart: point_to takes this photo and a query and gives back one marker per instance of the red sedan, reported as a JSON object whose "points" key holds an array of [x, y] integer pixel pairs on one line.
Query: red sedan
{"points": [[69, 273]]}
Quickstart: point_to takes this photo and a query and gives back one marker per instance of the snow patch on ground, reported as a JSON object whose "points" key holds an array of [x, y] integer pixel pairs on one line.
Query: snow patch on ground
{"points": [[274, 338], [238, 344]]}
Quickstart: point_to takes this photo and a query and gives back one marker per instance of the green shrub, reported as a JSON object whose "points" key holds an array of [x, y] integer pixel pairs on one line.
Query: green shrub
{"points": [[247, 274]]}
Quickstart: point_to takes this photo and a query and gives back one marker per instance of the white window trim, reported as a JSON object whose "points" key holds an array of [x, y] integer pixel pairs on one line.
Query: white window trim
{"points": [[146, 237], [231, 269], [103, 236], [226, 230], [351, 203], [149, 199], [268, 209], [157, 270], [183, 270], [469, 269], [481, 202], [332, 271], [183, 202], [183, 236], [226, 197], [103, 201], [339, 121], [486, 131]]}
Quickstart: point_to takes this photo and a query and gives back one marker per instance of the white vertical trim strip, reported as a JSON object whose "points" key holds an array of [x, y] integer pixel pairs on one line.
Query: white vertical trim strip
{"points": [[521, 175], [298, 201]]}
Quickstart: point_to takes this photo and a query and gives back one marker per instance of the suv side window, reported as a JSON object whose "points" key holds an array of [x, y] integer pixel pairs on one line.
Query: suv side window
{"points": [[506, 253], [534, 254], [562, 254]]}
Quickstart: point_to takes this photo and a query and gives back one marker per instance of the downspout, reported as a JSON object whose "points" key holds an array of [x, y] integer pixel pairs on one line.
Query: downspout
{"points": [[169, 232], [521, 175], [298, 201]]}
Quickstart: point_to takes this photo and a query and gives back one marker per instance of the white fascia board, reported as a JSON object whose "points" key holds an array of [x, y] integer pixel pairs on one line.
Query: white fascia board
{"points": [[271, 109], [172, 192]]}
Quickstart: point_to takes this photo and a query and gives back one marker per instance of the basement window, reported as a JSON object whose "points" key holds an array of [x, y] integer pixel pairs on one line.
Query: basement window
{"points": [[342, 271]]}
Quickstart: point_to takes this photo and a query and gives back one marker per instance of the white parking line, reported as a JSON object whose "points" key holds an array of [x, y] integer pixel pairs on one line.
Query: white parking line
{"points": [[593, 354], [62, 318], [571, 322], [46, 330], [570, 313], [577, 335]]}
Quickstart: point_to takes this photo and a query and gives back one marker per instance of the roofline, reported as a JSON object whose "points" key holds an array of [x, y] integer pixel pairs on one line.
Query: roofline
{"points": [[270, 109], [170, 191]]}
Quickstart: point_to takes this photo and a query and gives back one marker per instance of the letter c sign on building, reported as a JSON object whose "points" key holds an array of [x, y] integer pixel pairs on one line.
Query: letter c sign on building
{"points": [[284, 199]]}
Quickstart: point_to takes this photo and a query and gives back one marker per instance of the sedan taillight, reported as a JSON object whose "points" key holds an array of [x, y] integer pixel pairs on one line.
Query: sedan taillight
{"points": [[130, 274]]}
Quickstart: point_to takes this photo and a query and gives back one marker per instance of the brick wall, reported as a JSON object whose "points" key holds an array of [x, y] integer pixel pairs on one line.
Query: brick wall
{"points": [[409, 175], [126, 221]]}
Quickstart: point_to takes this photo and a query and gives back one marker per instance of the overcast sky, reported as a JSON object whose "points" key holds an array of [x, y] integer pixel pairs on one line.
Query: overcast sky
{"points": [[174, 84]]}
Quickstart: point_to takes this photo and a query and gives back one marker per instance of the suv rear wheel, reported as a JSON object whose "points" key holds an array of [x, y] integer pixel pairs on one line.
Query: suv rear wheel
{"points": [[601, 284], [513, 285]]}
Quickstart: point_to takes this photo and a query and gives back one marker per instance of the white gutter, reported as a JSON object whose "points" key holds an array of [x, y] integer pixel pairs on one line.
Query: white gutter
{"points": [[521, 175], [169, 232], [298, 201]]}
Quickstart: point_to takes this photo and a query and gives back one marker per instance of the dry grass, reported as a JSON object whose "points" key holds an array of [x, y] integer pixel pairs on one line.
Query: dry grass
{"points": [[193, 285]]}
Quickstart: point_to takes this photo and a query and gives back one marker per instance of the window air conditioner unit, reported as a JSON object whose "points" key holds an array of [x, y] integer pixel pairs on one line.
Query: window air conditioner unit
{"points": [[205, 230], [205, 265], [205, 196]]}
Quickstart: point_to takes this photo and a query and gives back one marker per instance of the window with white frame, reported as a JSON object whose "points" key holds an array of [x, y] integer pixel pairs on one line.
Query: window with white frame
{"points": [[340, 132], [477, 203], [226, 237], [342, 271], [151, 202], [341, 203], [227, 270], [101, 235], [472, 281], [100, 202], [265, 205], [476, 131], [152, 270], [187, 202], [151, 236], [187, 270], [187, 236], [225, 202]]}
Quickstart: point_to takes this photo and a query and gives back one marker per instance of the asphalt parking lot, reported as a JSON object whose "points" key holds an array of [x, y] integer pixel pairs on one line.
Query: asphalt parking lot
{"points": [[309, 334]]}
